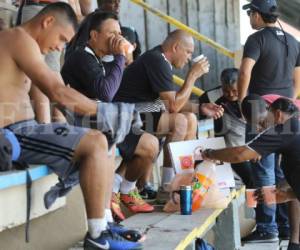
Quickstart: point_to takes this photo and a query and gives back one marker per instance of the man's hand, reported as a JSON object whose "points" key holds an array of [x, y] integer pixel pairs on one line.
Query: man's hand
{"points": [[117, 45], [211, 110], [200, 68]]}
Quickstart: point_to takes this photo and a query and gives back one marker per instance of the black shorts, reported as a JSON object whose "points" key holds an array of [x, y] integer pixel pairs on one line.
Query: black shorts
{"points": [[150, 121], [128, 146]]}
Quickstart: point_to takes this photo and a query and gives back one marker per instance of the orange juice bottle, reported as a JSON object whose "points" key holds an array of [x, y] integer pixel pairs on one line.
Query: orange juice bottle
{"points": [[203, 178]]}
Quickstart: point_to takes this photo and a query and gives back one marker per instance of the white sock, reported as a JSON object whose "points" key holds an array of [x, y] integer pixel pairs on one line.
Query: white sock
{"points": [[167, 175], [127, 186], [96, 226], [108, 215], [117, 183]]}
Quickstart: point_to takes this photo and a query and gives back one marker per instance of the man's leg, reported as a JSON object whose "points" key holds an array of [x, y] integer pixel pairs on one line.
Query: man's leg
{"points": [[192, 128], [110, 176], [92, 154], [144, 156], [141, 163], [266, 230], [282, 217], [294, 216], [96, 173], [174, 126], [59, 146]]}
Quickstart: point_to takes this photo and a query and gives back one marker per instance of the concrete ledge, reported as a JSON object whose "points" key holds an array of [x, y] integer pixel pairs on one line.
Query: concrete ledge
{"points": [[13, 195], [173, 231], [180, 232], [18, 177]]}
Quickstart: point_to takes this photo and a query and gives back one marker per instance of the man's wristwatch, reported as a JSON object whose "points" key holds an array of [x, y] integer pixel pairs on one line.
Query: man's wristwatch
{"points": [[208, 152]]}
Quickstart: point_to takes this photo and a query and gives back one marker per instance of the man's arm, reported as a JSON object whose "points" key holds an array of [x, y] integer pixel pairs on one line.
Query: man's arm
{"points": [[244, 77], [41, 105], [296, 82], [175, 101], [29, 59], [44, 113], [107, 86], [211, 110], [232, 155]]}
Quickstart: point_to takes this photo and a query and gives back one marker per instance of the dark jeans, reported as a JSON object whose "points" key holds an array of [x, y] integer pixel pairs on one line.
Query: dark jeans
{"points": [[269, 218]]}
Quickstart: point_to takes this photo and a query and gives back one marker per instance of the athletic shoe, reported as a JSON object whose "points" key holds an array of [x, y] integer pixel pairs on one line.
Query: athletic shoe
{"points": [[134, 202], [260, 237], [128, 234], [284, 234], [109, 240], [293, 246], [148, 192], [115, 207]]}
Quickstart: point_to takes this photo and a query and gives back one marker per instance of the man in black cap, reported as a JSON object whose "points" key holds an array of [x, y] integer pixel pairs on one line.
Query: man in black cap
{"points": [[270, 65]]}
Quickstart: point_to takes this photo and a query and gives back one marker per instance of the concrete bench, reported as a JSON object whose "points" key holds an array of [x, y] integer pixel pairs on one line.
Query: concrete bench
{"points": [[13, 195], [174, 231]]}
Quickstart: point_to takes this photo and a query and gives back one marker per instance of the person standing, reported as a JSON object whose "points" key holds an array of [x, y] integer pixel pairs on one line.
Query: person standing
{"points": [[270, 65]]}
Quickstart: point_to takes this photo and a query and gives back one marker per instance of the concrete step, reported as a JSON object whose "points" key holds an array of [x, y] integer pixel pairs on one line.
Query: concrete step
{"points": [[78, 246], [260, 246], [284, 244]]}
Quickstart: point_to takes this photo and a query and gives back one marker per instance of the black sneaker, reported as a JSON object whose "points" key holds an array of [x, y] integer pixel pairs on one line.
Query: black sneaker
{"points": [[148, 192], [293, 246], [284, 234], [260, 237]]}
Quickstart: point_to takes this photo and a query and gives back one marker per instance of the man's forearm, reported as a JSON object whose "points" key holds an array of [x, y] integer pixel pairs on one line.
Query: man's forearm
{"points": [[74, 101], [41, 105], [183, 95], [107, 86], [232, 155]]}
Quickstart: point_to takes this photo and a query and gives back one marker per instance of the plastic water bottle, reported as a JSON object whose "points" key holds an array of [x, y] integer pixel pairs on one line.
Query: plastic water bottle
{"points": [[204, 177]]}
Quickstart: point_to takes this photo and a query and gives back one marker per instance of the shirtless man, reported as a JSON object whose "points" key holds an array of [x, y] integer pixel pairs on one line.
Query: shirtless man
{"points": [[62, 147]]}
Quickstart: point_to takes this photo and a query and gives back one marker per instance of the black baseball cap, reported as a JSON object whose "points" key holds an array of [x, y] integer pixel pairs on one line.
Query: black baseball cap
{"points": [[268, 7]]}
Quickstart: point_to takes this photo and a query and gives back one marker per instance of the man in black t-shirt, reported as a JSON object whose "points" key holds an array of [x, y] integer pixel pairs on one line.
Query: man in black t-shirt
{"points": [[271, 59], [270, 65], [281, 134], [148, 82]]}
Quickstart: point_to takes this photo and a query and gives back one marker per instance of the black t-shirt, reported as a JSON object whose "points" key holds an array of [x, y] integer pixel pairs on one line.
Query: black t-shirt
{"points": [[145, 78], [283, 139], [275, 64]]}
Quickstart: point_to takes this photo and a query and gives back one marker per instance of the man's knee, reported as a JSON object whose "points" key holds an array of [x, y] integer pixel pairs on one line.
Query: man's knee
{"points": [[191, 119], [93, 142], [148, 146], [180, 124]]}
